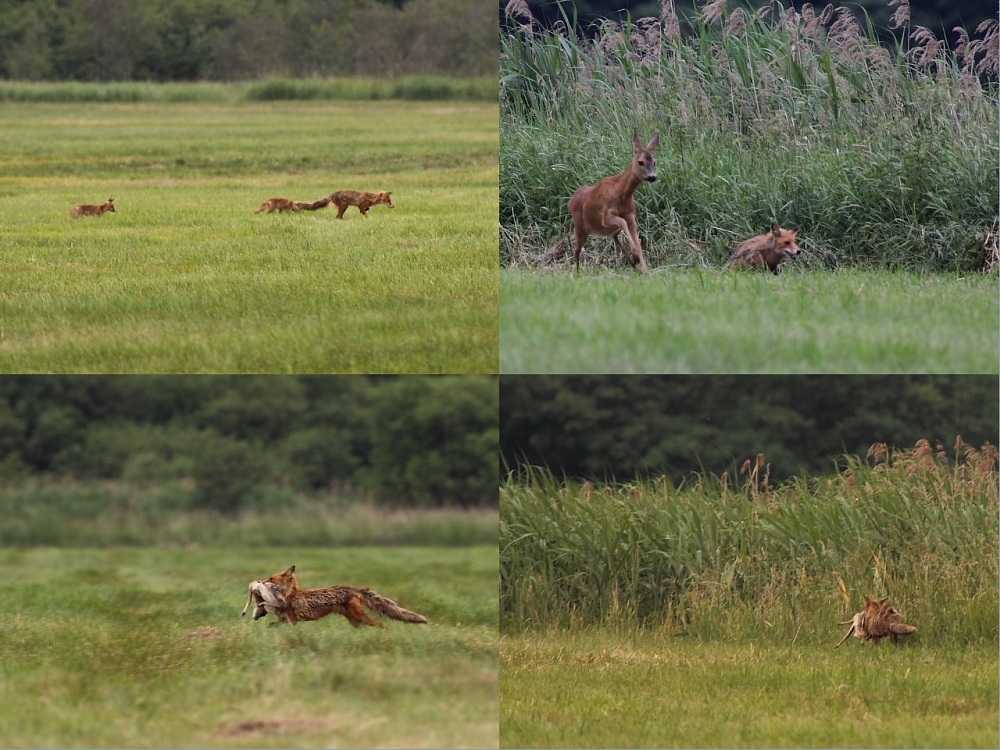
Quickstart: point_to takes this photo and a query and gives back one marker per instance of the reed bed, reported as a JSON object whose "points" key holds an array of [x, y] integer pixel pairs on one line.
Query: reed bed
{"points": [[741, 556], [884, 156]]}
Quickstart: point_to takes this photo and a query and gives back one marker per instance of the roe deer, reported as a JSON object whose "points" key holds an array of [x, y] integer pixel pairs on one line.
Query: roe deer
{"points": [[608, 207], [87, 209]]}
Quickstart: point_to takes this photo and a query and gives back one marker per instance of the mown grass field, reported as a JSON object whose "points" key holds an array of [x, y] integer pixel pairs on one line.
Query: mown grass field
{"points": [[606, 688], [184, 277], [141, 647], [695, 321]]}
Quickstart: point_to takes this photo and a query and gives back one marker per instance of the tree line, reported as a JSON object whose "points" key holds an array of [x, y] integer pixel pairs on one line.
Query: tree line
{"points": [[602, 427], [940, 16], [227, 40], [410, 442]]}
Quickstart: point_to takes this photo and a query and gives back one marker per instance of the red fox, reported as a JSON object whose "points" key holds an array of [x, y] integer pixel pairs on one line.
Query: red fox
{"points": [[86, 209], [280, 595], [276, 204], [877, 620], [770, 249], [360, 198]]}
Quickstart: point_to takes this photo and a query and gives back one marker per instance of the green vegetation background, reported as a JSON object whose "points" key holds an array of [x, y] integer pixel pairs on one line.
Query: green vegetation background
{"points": [[884, 155], [934, 14], [314, 460], [597, 427], [228, 40]]}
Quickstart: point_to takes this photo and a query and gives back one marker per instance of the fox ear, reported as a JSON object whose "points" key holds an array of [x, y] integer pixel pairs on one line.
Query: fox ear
{"points": [[289, 571], [774, 230], [794, 230]]}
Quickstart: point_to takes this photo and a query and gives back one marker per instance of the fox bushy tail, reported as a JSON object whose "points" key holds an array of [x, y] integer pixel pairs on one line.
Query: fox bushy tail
{"points": [[389, 608]]}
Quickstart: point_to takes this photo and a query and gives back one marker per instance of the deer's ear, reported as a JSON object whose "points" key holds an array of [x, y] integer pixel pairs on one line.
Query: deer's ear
{"points": [[653, 143], [636, 143]]}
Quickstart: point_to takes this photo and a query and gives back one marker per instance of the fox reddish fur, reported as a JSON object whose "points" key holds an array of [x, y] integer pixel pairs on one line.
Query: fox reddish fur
{"points": [[314, 206], [877, 620], [280, 595], [361, 198], [87, 209], [276, 204], [608, 207], [770, 249]]}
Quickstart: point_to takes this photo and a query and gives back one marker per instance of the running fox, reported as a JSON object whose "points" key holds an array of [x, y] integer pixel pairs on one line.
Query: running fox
{"points": [[770, 249], [280, 595], [86, 209], [276, 204], [877, 620], [360, 198]]}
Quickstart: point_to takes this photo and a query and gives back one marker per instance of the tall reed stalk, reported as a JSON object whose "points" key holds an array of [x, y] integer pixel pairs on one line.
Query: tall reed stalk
{"points": [[727, 556]]}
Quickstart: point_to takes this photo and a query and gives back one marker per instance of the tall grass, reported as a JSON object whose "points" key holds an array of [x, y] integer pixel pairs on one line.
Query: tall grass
{"points": [[111, 513], [883, 156], [737, 556], [409, 88]]}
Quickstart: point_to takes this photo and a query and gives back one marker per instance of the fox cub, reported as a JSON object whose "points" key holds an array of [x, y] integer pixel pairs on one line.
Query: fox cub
{"points": [[281, 596], [360, 198], [276, 204], [87, 209], [770, 249]]}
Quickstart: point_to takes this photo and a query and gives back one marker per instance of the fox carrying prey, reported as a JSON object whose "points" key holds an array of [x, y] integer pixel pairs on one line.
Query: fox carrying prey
{"points": [[877, 620], [360, 198], [281, 596]]}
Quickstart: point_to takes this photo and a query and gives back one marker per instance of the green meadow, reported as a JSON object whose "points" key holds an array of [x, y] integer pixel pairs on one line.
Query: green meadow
{"points": [[850, 320], [606, 688], [143, 647], [184, 277]]}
